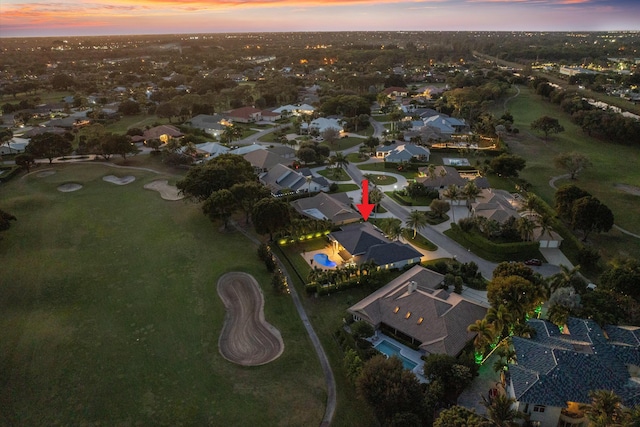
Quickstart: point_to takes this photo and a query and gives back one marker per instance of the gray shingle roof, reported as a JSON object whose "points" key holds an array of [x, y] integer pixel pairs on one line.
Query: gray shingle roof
{"points": [[554, 368]]}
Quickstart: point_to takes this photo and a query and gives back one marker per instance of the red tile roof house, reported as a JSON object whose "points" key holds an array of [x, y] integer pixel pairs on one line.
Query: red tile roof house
{"points": [[245, 115], [163, 133]]}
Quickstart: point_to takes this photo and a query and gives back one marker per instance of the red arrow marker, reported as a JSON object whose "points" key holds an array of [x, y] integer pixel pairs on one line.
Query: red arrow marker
{"points": [[365, 207]]}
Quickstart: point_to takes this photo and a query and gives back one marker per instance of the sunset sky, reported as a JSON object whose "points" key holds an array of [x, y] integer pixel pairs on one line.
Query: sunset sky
{"points": [[20, 18]]}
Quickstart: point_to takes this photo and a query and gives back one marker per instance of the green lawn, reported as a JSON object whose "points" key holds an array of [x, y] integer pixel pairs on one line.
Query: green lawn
{"points": [[109, 313], [335, 174], [613, 165], [137, 121], [326, 314]]}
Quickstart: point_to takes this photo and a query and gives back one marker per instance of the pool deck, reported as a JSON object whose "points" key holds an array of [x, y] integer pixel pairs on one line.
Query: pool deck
{"points": [[409, 353], [328, 250]]}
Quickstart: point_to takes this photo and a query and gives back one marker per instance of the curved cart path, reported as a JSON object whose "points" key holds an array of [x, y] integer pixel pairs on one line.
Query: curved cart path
{"points": [[246, 338]]}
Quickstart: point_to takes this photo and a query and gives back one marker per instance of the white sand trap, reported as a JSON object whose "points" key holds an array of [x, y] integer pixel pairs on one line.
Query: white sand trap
{"points": [[45, 174], [119, 181], [167, 192], [69, 187]]}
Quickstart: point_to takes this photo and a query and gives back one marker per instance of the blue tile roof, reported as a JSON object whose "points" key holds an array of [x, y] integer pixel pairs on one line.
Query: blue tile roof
{"points": [[554, 368]]}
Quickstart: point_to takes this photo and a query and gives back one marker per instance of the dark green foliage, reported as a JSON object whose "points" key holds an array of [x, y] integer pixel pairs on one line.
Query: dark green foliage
{"points": [[222, 172], [565, 197], [270, 215], [623, 278], [389, 388], [459, 416], [588, 214], [5, 217], [49, 145], [507, 165]]}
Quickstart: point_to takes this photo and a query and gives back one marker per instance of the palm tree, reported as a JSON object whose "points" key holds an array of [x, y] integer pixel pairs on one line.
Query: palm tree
{"points": [[485, 333], [375, 197], [500, 411], [452, 193], [525, 226], [470, 191], [500, 318], [531, 203], [564, 278], [341, 160], [545, 222], [416, 220], [605, 409], [308, 180]]}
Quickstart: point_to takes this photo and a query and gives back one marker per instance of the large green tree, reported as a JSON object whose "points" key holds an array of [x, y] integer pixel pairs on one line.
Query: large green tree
{"points": [[389, 388], [270, 215], [572, 162], [547, 125], [565, 197], [247, 194], [588, 214], [507, 165], [220, 205], [221, 172], [49, 145]]}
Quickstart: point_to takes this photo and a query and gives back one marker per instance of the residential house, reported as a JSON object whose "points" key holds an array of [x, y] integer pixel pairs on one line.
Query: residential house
{"points": [[321, 124], [362, 243], [497, 205], [333, 207], [39, 130], [557, 368], [163, 132], [16, 145], [263, 160], [415, 308], [245, 115], [395, 92], [213, 124], [399, 153], [209, 150], [295, 110], [244, 149], [270, 116], [282, 179], [445, 125], [440, 177]]}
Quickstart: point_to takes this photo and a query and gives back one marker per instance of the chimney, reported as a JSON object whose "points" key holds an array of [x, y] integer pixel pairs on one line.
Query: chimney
{"points": [[412, 287]]}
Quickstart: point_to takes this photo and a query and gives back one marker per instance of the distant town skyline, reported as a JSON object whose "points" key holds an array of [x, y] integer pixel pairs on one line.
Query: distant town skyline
{"points": [[23, 18]]}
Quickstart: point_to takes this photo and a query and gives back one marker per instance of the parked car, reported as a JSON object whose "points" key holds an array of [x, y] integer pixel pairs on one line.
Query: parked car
{"points": [[533, 261]]}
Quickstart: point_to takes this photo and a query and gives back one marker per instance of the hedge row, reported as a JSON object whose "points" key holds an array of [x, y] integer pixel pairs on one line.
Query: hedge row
{"points": [[9, 172], [491, 251]]}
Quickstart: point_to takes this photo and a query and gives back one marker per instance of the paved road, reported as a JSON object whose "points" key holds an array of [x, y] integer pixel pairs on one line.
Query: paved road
{"points": [[317, 345]]}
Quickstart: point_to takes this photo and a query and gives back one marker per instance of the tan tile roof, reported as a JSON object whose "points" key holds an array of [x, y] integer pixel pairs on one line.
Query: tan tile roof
{"points": [[435, 318]]}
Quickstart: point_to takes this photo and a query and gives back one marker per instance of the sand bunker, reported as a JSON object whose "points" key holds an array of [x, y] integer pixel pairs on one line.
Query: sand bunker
{"points": [[45, 174], [167, 192], [246, 337], [119, 181], [628, 189], [69, 187]]}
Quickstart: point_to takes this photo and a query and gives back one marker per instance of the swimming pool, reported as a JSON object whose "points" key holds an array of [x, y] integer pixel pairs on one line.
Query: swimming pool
{"points": [[323, 259], [390, 349]]}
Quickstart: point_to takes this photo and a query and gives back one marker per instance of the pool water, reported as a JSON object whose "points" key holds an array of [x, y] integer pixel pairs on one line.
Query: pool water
{"points": [[389, 349], [323, 259]]}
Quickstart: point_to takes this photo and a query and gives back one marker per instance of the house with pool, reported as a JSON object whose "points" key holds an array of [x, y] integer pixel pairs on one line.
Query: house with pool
{"points": [[363, 243], [415, 309]]}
